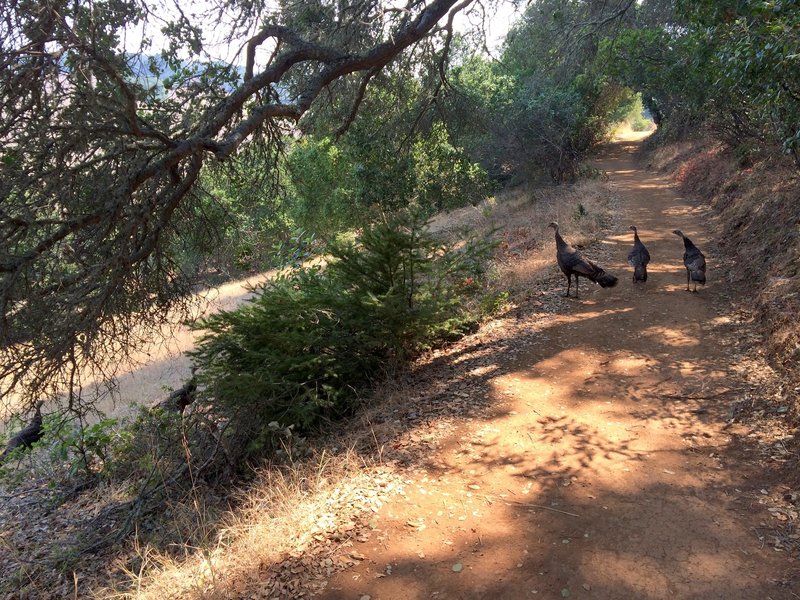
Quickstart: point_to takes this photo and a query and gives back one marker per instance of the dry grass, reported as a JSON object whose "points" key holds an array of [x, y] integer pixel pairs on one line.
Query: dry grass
{"points": [[520, 218], [277, 542], [671, 158], [285, 535]]}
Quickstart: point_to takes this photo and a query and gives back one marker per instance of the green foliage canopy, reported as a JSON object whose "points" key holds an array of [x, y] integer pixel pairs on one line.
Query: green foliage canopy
{"points": [[313, 338], [547, 101], [731, 64], [103, 150]]}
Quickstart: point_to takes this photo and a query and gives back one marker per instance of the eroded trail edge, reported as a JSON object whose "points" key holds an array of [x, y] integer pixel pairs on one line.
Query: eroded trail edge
{"points": [[592, 454]]}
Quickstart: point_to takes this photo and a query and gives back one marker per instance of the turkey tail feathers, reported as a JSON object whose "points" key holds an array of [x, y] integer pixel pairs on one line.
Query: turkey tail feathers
{"points": [[698, 276], [605, 279]]}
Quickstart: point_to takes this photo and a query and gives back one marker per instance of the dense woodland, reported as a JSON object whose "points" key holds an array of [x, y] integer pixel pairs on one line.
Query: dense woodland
{"points": [[131, 177]]}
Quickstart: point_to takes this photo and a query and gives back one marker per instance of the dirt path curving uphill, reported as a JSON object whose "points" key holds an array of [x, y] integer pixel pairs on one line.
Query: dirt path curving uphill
{"points": [[603, 466]]}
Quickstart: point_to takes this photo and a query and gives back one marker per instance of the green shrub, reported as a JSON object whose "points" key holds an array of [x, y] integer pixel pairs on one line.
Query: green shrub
{"points": [[70, 449], [324, 191], [312, 339], [81, 448], [148, 443], [235, 218], [444, 177], [494, 303]]}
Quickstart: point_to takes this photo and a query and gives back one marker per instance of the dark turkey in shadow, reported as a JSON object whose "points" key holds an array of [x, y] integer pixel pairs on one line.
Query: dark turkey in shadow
{"points": [[573, 263], [638, 258], [694, 261]]}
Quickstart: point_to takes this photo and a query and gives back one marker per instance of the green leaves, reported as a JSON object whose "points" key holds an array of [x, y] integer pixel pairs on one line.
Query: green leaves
{"points": [[337, 185], [757, 50], [313, 338], [444, 177], [732, 64], [547, 101]]}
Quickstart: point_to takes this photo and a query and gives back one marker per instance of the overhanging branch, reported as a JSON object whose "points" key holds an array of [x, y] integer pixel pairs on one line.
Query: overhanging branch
{"points": [[94, 163]]}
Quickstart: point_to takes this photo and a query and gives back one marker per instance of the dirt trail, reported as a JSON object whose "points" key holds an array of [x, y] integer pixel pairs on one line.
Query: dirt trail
{"points": [[160, 367], [604, 467]]}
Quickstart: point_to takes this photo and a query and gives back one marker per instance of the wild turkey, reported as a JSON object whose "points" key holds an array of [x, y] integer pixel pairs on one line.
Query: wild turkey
{"points": [[26, 437], [572, 263], [638, 257], [179, 399], [694, 261]]}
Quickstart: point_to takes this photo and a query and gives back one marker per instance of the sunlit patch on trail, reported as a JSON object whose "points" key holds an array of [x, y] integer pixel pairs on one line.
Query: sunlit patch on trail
{"points": [[677, 338]]}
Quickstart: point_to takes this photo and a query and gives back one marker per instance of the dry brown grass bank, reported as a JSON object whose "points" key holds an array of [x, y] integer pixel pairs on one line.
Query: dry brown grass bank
{"points": [[757, 204], [520, 217]]}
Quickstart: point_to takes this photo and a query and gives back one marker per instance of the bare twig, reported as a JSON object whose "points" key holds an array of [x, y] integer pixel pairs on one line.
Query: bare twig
{"points": [[550, 508], [528, 505]]}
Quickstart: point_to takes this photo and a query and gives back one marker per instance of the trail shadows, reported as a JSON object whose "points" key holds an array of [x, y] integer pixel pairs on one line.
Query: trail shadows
{"points": [[577, 447], [560, 555], [594, 439], [571, 492]]}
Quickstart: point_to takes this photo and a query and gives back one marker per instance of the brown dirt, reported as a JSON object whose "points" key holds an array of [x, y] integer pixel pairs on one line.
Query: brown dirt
{"points": [[591, 448], [156, 369], [595, 455]]}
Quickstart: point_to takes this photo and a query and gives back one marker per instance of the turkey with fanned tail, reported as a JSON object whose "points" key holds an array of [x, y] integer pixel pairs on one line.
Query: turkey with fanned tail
{"points": [[573, 263]]}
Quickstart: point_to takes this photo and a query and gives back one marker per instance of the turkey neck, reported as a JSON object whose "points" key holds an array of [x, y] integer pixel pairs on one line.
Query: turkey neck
{"points": [[560, 243]]}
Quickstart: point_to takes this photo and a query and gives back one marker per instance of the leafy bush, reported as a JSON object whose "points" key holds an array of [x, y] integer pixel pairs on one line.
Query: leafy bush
{"points": [[313, 338], [324, 191], [729, 65], [483, 91], [545, 103], [336, 186], [755, 56], [444, 178], [71, 448], [298, 247], [494, 302], [237, 216], [80, 447], [146, 444]]}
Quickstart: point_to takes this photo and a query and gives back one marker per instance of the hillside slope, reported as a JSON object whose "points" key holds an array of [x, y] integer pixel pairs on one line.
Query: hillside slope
{"points": [[584, 448], [756, 202]]}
